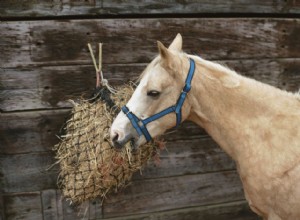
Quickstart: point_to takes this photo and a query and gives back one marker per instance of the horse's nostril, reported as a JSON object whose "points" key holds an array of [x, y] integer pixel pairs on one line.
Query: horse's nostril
{"points": [[115, 137], [116, 142]]}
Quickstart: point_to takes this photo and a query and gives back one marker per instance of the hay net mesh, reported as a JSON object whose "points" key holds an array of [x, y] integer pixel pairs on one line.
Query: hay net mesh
{"points": [[89, 166]]}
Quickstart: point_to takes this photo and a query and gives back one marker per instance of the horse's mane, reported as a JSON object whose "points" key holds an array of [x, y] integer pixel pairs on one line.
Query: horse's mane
{"points": [[217, 66], [226, 70]]}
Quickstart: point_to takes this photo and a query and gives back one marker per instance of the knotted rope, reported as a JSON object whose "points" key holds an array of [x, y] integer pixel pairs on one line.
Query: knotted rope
{"points": [[100, 81]]}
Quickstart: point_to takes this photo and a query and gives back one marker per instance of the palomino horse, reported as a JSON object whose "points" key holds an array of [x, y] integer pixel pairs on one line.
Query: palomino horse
{"points": [[256, 124]]}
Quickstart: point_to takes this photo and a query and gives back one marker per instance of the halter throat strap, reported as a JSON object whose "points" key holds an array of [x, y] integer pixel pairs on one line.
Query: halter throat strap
{"points": [[140, 124]]}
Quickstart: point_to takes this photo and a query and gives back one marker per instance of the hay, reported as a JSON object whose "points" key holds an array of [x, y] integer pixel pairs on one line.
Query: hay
{"points": [[89, 166]]}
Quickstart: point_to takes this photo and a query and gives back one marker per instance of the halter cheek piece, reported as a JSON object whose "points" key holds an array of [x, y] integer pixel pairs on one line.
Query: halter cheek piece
{"points": [[140, 125]]}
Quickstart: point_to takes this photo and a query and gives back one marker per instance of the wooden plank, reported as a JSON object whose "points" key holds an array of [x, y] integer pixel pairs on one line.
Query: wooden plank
{"points": [[174, 193], [51, 86], [234, 211], [27, 132], [26, 206], [34, 9], [281, 73], [75, 212], [201, 6], [53, 42], [46, 205], [23, 206], [59, 202], [186, 131], [95, 209], [27, 172], [88, 210], [2, 217], [181, 158], [50, 204], [188, 157]]}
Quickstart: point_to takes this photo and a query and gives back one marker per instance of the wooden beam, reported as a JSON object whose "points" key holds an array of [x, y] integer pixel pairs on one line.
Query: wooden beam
{"points": [[2, 207], [47, 205], [23, 206], [39, 9], [53, 42], [187, 157], [49, 200], [27, 172], [51, 86], [95, 209], [140, 197], [174, 193], [29, 132], [181, 158], [52, 206], [233, 210]]}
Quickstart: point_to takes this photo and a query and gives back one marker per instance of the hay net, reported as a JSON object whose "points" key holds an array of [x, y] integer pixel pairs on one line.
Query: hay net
{"points": [[89, 166]]}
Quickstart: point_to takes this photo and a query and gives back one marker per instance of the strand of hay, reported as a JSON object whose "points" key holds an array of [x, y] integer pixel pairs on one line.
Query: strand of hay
{"points": [[89, 166]]}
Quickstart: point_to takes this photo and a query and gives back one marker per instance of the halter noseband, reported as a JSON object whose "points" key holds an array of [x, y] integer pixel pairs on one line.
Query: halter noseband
{"points": [[140, 125]]}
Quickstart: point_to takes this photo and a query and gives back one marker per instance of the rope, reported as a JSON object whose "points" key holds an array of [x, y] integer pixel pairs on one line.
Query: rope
{"points": [[99, 74]]}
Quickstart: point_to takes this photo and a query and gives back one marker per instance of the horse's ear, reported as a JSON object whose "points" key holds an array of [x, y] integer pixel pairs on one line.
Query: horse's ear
{"points": [[163, 51], [177, 43], [168, 58]]}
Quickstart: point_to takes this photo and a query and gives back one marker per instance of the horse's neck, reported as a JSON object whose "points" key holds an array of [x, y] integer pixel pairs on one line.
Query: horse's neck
{"points": [[238, 112]]}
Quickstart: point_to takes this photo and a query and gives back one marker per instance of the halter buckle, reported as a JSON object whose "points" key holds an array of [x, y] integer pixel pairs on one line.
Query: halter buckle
{"points": [[129, 112], [140, 123]]}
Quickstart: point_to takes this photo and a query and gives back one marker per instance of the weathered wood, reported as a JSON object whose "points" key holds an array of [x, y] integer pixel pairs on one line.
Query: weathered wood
{"points": [[31, 88], [200, 6], [27, 172], [174, 193], [27, 206], [56, 207], [71, 212], [134, 40], [233, 211], [47, 205], [23, 206], [1, 207], [52, 207], [33, 8], [188, 157], [59, 201], [281, 73], [27, 132], [95, 209], [51, 86], [181, 158]]}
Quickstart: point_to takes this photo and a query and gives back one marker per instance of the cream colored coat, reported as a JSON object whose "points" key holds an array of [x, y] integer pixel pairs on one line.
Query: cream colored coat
{"points": [[256, 124], [259, 127]]}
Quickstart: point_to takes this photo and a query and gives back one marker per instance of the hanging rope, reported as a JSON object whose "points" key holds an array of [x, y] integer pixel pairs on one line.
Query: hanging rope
{"points": [[100, 81]]}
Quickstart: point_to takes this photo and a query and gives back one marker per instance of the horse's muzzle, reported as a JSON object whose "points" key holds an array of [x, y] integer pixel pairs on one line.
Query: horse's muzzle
{"points": [[118, 143]]}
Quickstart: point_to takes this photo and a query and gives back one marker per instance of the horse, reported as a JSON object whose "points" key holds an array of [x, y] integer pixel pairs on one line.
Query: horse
{"points": [[256, 124]]}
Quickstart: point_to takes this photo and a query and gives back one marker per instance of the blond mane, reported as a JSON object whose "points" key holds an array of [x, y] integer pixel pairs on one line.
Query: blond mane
{"points": [[218, 67]]}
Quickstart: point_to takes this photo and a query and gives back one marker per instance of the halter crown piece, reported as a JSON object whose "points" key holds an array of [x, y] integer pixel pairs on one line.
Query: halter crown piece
{"points": [[140, 125]]}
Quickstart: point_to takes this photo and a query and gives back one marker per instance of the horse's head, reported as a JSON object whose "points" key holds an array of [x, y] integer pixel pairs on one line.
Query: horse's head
{"points": [[160, 85]]}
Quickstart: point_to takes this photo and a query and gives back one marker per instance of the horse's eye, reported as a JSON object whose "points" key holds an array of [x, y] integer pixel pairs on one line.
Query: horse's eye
{"points": [[153, 93]]}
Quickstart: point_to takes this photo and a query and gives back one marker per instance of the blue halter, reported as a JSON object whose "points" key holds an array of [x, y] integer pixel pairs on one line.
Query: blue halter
{"points": [[140, 125]]}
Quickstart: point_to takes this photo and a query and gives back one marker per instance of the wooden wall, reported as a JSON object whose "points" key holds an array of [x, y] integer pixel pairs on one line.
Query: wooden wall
{"points": [[44, 61]]}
